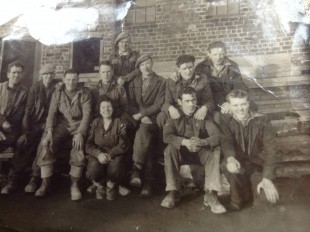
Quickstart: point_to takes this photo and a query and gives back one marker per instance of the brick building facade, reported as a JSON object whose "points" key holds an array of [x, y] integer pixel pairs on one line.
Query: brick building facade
{"points": [[274, 70]]}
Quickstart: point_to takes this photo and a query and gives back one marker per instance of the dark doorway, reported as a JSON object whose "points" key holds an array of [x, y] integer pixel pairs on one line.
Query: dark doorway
{"points": [[23, 51]]}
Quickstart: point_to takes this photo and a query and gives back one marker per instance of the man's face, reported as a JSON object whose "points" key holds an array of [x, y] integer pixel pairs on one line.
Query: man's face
{"points": [[146, 67], [71, 81], [47, 78], [239, 107], [188, 104], [15, 75], [106, 109], [217, 56], [106, 74], [186, 70], [124, 44]]}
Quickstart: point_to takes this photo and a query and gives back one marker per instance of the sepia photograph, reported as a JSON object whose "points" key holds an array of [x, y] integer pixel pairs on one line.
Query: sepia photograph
{"points": [[155, 116]]}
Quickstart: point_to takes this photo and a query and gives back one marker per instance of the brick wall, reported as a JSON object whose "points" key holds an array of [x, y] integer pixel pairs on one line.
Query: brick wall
{"points": [[184, 27]]}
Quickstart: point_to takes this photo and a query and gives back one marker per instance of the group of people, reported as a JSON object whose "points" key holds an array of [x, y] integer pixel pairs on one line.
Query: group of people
{"points": [[200, 115]]}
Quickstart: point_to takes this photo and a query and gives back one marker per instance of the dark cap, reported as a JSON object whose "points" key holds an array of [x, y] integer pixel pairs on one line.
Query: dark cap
{"points": [[48, 68], [121, 36], [142, 58]]}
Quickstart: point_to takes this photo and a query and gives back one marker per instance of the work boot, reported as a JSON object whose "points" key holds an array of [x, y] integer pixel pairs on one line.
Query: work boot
{"points": [[171, 199], [135, 179], [146, 189], [111, 191], [91, 189], [9, 188], [123, 191], [44, 188], [75, 191], [100, 192], [210, 199], [33, 184]]}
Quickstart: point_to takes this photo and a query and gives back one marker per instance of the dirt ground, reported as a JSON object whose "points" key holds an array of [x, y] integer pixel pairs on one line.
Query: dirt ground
{"points": [[56, 212]]}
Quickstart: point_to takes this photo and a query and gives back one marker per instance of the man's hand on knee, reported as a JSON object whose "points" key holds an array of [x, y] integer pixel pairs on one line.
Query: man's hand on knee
{"points": [[78, 141], [233, 165], [270, 190], [48, 139]]}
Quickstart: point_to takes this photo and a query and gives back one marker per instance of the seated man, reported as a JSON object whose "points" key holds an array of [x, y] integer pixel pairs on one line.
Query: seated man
{"points": [[223, 75], [186, 77], [249, 148], [146, 96], [13, 97], [68, 119], [33, 126], [192, 141]]}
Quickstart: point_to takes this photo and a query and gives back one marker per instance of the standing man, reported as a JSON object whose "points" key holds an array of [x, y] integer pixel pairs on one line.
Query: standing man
{"points": [[146, 97], [12, 107], [249, 148], [33, 126], [192, 141], [68, 119], [223, 74], [124, 60]]}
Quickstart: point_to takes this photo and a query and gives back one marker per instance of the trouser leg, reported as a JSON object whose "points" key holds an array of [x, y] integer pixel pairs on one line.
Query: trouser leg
{"points": [[115, 170], [172, 168], [95, 170]]}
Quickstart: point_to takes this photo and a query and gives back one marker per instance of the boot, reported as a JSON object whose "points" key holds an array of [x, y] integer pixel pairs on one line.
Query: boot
{"points": [[135, 179], [111, 191], [44, 188], [75, 191], [146, 189], [32, 186], [210, 199], [123, 191], [171, 199], [9, 188]]}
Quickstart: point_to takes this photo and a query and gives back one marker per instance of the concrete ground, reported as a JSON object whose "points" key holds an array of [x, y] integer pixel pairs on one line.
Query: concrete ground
{"points": [[56, 212]]}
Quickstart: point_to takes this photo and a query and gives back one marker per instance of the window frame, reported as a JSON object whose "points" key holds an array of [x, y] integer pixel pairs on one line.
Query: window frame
{"points": [[133, 9], [226, 14]]}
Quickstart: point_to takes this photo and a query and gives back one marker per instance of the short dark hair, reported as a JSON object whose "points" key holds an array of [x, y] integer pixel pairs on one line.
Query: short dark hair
{"points": [[104, 98], [186, 90], [106, 63], [237, 93], [17, 64], [71, 71], [216, 44], [183, 59]]}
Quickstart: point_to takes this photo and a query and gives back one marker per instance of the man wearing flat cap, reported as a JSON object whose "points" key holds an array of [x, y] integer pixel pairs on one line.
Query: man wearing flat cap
{"points": [[32, 128], [124, 60], [146, 96]]}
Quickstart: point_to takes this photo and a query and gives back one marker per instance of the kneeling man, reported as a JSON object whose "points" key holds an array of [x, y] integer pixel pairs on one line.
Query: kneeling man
{"points": [[192, 141], [248, 145]]}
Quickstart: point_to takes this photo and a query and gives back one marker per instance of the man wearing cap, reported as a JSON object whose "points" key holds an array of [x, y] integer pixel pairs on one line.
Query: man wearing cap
{"points": [[223, 75], [33, 126], [13, 97], [124, 60], [146, 96], [68, 119]]}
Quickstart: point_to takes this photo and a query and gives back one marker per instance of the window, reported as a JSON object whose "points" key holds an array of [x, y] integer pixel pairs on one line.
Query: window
{"points": [[86, 55], [223, 7], [142, 11]]}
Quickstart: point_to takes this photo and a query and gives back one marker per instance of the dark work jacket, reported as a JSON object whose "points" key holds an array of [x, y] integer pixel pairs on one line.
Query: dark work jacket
{"points": [[12, 104], [150, 104], [175, 129], [229, 79], [201, 86], [110, 141], [75, 114], [125, 65], [261, 146], [38, 102]]}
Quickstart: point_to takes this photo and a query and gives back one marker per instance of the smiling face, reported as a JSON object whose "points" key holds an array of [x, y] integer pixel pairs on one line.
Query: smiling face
{"points": [[239, 107], [146, 67], [47, 78], [106, 109], [217, 56], [188, 104], [15, 75], [71, 81], [124, 44], [186, 70], [106, 74]]}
